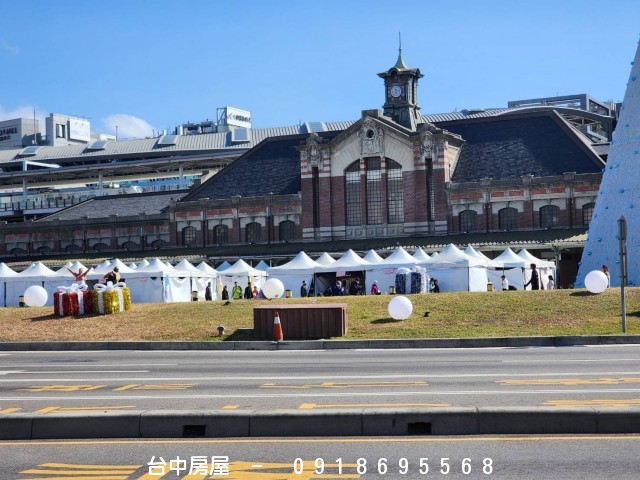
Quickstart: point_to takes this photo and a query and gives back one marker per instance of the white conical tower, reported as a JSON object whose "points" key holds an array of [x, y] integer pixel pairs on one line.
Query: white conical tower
{"points": [[619, 194]]}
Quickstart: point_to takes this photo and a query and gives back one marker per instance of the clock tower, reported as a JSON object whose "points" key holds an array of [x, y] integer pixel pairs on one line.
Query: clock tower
{"points": [[401, 93]]}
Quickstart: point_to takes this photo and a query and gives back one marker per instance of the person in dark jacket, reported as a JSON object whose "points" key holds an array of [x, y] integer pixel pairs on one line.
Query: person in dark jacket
{"points": [[225, 293], [303, 289], [248, 293], [534, 281], [208, 295]]}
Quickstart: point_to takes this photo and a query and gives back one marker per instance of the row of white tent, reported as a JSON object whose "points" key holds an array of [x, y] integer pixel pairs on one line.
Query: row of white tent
{"points": [[157, 281]]}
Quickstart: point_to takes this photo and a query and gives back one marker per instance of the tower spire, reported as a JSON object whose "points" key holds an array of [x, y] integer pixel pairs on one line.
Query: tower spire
{"points": [[400, 65]]}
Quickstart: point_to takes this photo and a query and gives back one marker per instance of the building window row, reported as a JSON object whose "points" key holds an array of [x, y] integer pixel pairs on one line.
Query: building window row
{"points": [[252, 233], [549, 217], [374, 194]]}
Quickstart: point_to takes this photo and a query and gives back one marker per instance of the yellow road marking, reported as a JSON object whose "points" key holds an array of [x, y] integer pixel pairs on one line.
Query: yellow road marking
{"points": [[39, 443], [10, 410], [348, 385], [570, 381], [168, 386], [75, 477], [230, 407], [61, 388], [83, 409], [594, 403], [309, 406]]}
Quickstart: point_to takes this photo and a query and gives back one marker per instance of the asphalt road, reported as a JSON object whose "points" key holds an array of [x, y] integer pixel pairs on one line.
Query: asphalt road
{"points": [[45, 382], [543, 457]]}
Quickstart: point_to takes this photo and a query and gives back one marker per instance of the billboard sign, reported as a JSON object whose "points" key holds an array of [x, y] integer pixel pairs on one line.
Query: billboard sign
{"points": [[79, 129], [238, 118]]}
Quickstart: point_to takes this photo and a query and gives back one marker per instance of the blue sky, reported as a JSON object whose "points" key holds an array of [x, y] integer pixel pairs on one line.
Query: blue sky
{"points": [[147, 65]]}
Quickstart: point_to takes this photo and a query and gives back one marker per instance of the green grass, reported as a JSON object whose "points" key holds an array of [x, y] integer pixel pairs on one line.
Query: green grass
{"points": [[451, 315]]}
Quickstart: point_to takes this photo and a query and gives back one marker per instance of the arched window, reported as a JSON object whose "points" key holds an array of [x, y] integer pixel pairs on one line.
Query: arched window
{"points": [[188, 236], [374, 191], [252, 232], [395, 198], [353, 201], [287, 230], [159, 243], [467, 220], [508, 219], [99, 247], [549, 216], [220, 234], [130, 245], [587, 213], [44, 250], [73, 248]]}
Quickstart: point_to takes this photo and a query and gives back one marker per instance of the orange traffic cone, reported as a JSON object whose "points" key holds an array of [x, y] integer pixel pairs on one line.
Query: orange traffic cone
{"points": [[277, 328]]}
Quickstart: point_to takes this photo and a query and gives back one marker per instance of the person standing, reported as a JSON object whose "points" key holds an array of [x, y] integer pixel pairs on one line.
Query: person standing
{"points": [[303, 289], [80, 275], [113, 276], [236, 291], [436, 287], [534, 281], [208, 295], [248, 293], [605, 270], [505, 283], [551, 283], [256, 292], [225, 293]]}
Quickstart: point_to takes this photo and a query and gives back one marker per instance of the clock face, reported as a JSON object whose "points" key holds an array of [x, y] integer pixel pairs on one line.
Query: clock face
{"points": [[396, 91]]}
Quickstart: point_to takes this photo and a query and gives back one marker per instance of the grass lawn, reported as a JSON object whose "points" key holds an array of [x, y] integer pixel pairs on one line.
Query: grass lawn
{"points": [[482, 314]]}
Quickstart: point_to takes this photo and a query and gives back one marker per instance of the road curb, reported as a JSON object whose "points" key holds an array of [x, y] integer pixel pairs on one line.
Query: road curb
{"points": [[480, 342], [319, 423]]}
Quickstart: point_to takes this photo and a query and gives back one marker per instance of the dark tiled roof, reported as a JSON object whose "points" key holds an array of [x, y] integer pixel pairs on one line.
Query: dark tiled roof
{"points": [[271, 166], [514, 147], [121, 205]]}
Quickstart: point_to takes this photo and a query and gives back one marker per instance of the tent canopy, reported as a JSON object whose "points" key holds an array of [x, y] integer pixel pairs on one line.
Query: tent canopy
{"points": [[223, 266], [373, 257], [399, 257], [529, 259], [452, 257], [349, 262], [6, 271], [509, 259], [262, 266], [205, 267], [481, 256], [325, 259], [421, 255], [242, 268], [301, 263]]}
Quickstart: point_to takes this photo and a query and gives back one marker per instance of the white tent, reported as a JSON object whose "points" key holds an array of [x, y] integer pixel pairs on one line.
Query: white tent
{"points": [[349, 265], [205, 267], [6, 274], [143, 263], [325, 259], [262, 266], [373, 257], [199, 278], [384, 272], [481, 256], [223, 266], [509, 265], [63, 270], [292, 273], [35, 274], [544, 267], [456, 271], [132, 266], [242, 273], [420, 255], [102, 269], [157, 283]]}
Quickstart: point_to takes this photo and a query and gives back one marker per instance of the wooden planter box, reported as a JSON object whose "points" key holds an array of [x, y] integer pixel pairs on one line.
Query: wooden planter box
{"points": [[302, 321]]}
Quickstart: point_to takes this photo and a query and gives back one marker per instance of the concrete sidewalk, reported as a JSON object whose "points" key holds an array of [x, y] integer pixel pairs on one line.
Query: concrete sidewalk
{"points": [[541, 341], [343, 422]]}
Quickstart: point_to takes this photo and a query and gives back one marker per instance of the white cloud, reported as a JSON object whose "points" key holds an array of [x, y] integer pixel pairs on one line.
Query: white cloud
{"points": [[24, 112], [12, 49], [129, 126]]}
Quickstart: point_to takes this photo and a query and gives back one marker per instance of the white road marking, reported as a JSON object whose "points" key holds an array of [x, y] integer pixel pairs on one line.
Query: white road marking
{"points": [[316, 395], [70, 371], [8, 372], [316, 377], [92, 365], [598, 360]]}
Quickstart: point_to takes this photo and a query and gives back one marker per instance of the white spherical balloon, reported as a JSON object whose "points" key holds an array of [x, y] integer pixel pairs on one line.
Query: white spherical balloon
{"points": [[596, 281], [273, 288], [35, 296], [400, 308]]}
